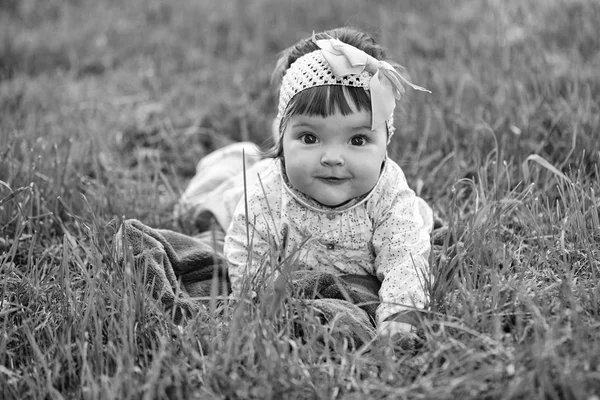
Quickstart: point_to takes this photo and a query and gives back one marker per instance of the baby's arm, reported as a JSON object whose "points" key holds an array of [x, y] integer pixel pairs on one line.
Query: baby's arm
{"points": [[244, 257], [402, 245], [252, 235]]}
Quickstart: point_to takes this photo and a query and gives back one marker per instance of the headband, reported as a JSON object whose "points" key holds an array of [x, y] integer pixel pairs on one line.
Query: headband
{"points": [[338, 63]]}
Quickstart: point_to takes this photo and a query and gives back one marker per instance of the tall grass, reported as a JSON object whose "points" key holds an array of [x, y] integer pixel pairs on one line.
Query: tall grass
{"points": [[105, 107]]}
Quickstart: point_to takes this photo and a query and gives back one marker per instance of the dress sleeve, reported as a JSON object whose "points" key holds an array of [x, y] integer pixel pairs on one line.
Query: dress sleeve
{"points": [[401, 240], [251, 239]]}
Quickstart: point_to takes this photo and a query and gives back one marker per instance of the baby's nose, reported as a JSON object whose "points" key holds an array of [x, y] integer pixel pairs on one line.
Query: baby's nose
{"points": [[332, 157]]}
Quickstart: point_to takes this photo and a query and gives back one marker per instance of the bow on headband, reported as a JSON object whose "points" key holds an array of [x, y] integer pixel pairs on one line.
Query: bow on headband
{"points": [[385, 84]]}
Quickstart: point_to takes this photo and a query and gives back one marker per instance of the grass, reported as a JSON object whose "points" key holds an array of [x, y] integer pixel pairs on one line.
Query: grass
{"points": [[106, 106]]}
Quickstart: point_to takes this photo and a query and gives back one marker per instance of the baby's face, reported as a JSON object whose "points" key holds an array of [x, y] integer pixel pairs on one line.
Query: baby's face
{"points": [[333, 159]]}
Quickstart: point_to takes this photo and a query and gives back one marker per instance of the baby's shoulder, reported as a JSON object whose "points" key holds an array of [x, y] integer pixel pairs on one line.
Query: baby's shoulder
{"points": [[391, 189], [263, 180], [392, 179]]}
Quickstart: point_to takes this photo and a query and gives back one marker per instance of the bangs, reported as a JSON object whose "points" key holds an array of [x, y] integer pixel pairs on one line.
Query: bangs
{"points": [[327, 100]]}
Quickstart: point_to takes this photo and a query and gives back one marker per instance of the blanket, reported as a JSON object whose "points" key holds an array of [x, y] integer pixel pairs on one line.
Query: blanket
{"points": [[182, 271]]}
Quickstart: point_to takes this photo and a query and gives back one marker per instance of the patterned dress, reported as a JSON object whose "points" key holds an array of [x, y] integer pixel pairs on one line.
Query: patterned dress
{"points": [[384, 234]]}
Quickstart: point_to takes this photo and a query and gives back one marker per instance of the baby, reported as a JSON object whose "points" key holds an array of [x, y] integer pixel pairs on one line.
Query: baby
{"points": [[329, 197]]}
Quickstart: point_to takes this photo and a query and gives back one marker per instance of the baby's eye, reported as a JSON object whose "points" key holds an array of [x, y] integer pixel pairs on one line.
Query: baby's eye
{"points": [[358, 141], [308, 138]]}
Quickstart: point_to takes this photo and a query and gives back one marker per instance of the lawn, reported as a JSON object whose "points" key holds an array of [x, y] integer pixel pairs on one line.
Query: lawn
{"points": [[106, 107]]}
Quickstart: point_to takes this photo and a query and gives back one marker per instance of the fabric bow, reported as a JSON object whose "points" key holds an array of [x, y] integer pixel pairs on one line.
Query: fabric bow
{"points": [[385, 84]]}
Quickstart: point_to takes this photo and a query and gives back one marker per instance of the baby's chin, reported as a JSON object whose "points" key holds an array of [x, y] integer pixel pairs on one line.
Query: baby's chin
{"points": [[337, 202], [331, 204]]}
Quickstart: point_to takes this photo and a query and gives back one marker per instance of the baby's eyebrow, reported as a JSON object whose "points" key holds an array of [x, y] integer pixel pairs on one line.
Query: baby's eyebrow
{"points": [[302, 125], [362, 128]]}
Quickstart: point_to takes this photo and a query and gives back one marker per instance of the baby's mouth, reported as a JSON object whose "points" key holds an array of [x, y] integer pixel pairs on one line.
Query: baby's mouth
{"points": [[332, 180]]}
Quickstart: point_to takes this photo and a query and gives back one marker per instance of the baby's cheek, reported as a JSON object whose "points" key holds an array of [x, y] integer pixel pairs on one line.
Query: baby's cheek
{"points": [[297, 172]]}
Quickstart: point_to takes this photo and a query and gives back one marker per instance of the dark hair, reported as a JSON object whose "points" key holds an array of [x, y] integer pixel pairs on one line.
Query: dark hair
{"points": [[328, 99]]}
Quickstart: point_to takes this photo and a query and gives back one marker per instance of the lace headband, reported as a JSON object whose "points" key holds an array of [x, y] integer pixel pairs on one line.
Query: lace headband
{"points": [[338, 63]]}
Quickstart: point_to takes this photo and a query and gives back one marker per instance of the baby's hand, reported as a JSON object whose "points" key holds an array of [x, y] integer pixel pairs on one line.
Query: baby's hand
{"points": [[389, 329], [398, 333]]}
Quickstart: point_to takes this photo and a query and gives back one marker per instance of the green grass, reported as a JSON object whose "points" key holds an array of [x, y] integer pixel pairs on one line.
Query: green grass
{"points": [[106, 106]]}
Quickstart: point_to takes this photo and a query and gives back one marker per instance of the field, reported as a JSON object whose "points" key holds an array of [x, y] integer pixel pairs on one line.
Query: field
{"points": [[106, 107]]}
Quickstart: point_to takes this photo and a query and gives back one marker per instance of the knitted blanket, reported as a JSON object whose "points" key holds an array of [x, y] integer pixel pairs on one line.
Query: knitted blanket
{"points": [[182, 271]]}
